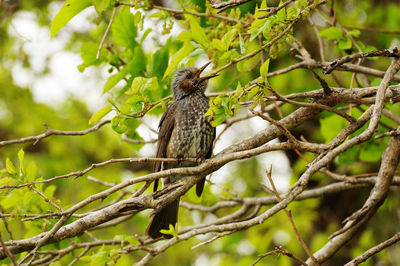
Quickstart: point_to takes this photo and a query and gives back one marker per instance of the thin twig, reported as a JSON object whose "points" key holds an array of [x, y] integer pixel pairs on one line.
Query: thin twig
{"points": [[176, 11], [222, 5], [46, 198], [77, 174], [275, 252], [7, 252], [311, 104], [5, 223], [106, 32], [372, 251], [86, 250], [391, 133], [274, 10], [348, 58], [217, 236], [50, 132], [289, 215]]}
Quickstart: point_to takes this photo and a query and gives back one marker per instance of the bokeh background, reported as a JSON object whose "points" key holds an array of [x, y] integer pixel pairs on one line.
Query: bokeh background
{"points": [[40, 83]]}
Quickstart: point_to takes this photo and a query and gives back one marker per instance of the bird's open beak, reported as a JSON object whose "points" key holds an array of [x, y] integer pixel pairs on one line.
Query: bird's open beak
{"points": [[208, 77], [197, 75]]}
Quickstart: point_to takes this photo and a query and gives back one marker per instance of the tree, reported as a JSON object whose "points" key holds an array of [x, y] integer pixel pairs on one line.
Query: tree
{"points": [[319, 75]]}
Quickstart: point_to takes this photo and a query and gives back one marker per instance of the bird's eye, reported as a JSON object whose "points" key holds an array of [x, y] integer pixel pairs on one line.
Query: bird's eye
{"points": [[185, 85]]}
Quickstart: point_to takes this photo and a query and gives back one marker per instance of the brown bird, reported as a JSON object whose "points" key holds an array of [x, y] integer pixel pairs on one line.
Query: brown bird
{"points": [[184, 132]]}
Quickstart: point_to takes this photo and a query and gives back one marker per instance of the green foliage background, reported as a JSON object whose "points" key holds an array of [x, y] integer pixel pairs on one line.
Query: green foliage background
{"points": [[138, 84]]}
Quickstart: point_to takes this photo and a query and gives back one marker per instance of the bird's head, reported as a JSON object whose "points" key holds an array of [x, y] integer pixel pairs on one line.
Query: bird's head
{"points": [[187, 80]]}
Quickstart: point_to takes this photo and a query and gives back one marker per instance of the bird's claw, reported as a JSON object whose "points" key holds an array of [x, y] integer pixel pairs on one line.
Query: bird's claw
{"points": [[179, 160], [200, 160]]}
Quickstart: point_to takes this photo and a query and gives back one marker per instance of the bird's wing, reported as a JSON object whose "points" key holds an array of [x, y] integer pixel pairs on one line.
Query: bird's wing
{"points": [[200, 184], [166, 126]]}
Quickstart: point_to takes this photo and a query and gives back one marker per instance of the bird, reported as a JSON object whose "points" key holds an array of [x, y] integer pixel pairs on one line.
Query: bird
{"points": [[183, 132]]}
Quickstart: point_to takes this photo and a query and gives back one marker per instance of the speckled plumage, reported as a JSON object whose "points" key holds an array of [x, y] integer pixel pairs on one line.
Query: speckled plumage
{"points": [[193, 135], [184, 132]]}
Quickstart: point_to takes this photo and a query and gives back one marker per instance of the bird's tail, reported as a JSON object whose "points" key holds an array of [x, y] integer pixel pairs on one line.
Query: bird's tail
{"points": [[162, 220]]}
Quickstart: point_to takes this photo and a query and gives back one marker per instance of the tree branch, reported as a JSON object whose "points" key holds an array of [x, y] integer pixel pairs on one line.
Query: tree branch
{"points": [[372, 251], [50, 132]]}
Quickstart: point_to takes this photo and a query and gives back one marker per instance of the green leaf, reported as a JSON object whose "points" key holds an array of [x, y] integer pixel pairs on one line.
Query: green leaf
{"points": [[118, 125], [138, 63], [184, 36], [262, 6], [28, 197], [160, 60], [136, 103], [264, 69], [160, 14], [301, 3], [12, 200], [113, 80], [345, 44], [10, 167], [228, 37], [102, 5], [70, 9], [219, 115], [21, 155], [150, 89], [252, 92], [7, 181], [31, 172], [241, 44], [132, 123], [124, 89], [86, 258], [281, 15], [138, 18], [258, 26], [171, 231], [135, 66], [49, 191], [100, 114], [147, 88], [100, 258], [369, 48], [39, 186], [145, 34], [124, 30], [250, 63], [218, 44], [354, 33], [230, 105], [292, 12], [182, 53], [88, 55], [331, 33], [198, 33]]}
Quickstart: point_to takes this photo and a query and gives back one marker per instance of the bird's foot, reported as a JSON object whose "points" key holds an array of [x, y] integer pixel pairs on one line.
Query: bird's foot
{"points": [[200, 160], [179, 159]]}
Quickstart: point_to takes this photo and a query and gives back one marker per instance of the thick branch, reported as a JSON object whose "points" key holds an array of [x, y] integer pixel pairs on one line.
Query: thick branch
{"points": [[388, 166]]}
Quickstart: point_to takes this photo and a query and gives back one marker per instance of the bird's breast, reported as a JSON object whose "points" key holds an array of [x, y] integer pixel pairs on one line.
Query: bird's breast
{"points": [[193, 134]]}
